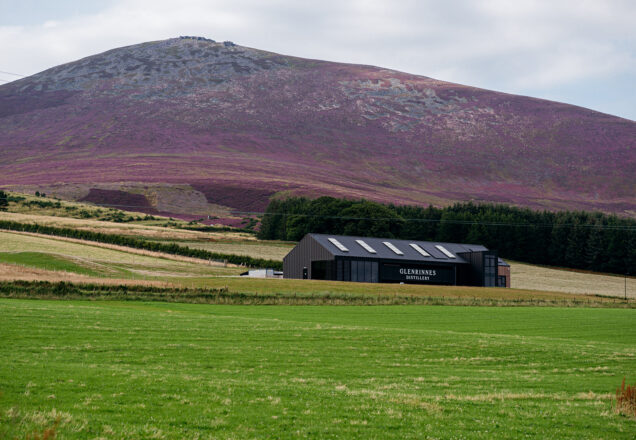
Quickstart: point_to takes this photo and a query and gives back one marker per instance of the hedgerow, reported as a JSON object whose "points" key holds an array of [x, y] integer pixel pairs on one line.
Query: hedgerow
{"points": [[223, 295]]}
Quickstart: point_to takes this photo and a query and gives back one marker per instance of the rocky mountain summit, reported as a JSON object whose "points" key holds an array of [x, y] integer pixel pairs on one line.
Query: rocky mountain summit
{"points": [[232, 125]]}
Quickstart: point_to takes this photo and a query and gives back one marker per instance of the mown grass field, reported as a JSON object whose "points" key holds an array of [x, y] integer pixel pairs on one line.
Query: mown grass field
{"points": [[528, 276], [157, 370], [53, 254], [148, 229], [274, 250]]}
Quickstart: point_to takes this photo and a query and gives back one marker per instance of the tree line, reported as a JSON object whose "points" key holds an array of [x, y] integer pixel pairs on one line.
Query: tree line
{"points": [[574, 239], [138, 243]]}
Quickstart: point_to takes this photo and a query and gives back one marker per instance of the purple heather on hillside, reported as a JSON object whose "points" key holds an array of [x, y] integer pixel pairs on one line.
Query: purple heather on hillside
{"points": [[231, 120]]}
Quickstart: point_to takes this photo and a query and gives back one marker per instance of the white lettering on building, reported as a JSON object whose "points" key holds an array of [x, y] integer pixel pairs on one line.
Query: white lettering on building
{"points": [[418, 272]]}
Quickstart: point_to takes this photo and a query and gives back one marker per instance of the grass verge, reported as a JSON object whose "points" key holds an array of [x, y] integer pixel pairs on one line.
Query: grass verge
{"points": [[223, 295]]}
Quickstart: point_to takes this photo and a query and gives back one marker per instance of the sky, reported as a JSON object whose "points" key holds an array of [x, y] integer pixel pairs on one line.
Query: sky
{"points": [[580, 52]]}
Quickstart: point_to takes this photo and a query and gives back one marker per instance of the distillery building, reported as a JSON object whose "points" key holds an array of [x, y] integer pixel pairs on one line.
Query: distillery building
{"points": [[384, 260]]}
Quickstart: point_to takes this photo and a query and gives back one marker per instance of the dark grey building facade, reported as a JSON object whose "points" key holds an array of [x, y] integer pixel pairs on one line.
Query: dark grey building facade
{"points": [[380, 260]]}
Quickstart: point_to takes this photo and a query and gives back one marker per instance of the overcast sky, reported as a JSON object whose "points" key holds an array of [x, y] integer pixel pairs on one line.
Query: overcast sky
{"points": [[575, 51]]}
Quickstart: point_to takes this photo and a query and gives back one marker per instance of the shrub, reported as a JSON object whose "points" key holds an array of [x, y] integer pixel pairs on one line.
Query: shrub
{"points": [[15, 199], [626, 400], [42, 204], [4, 200], [48, 434]]}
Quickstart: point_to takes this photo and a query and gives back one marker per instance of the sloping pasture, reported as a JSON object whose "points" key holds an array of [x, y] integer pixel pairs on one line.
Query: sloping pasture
{"points": [[87, 258]]}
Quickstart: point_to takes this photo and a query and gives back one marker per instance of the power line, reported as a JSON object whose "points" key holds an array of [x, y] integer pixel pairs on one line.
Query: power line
{"points": [[421, 220], [463, 222], [14, 74]]}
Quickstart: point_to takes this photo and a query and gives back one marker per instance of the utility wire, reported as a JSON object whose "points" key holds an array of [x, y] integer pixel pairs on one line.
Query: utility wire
{"points": [[435, 220], [421, 220], [11, 73]]}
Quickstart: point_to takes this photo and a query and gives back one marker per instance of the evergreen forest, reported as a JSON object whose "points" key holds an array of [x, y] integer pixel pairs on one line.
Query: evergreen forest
{"points": [[573, 239]]}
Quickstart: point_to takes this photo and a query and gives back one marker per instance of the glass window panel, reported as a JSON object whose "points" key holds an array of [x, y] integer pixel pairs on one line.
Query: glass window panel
{"points": [[366, 246], [419, 249], [445, 251], [374, 272], [337, 244], [367, 271], [392, 247]]}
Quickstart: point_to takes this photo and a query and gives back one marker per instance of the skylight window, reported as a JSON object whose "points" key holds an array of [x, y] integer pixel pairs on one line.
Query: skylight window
{"points": [[366, 246], [339, 245], [445, 251], [419, 249], [392, 247]]}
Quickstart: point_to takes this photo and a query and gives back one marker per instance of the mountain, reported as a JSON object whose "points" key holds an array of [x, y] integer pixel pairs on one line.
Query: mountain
{"points": [[189, 125]]}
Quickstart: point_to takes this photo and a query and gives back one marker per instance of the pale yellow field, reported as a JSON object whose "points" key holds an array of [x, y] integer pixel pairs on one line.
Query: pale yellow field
{"points": [[12, 272], [126, 249], [251, 248], [134, 229], [526, 276], [109, 262]]}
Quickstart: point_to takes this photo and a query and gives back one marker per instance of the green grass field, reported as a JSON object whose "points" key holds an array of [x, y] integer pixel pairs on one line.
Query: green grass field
{"points": [[108, 368], [157, 370]]}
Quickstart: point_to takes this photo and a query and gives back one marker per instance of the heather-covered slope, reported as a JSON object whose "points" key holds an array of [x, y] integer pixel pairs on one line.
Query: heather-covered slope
{"points": [[235, 125]]}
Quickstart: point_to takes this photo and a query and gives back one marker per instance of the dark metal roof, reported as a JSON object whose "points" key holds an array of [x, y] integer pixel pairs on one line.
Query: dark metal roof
{"points": [[501, 262], [384, 252]]}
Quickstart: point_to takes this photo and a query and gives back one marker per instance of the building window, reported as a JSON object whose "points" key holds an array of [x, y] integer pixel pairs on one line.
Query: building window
{"points": [[490, 270], [502, 281], [354, 270], [362, 271], [319, 270]]}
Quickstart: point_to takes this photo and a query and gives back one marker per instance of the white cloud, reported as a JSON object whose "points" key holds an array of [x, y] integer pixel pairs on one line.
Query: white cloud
{"points": [[518, 46]]}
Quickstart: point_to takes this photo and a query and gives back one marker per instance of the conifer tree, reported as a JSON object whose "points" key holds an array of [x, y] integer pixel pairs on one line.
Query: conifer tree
{"points": [[4, 201]]}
